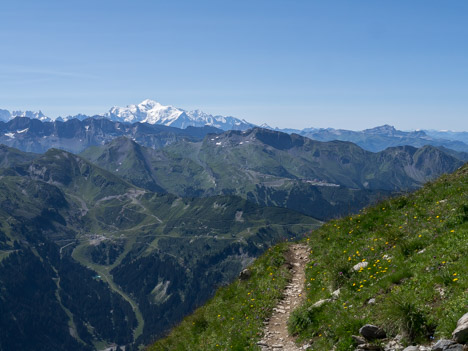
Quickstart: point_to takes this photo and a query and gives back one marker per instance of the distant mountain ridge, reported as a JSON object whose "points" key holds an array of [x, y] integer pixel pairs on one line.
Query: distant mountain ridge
{"points": [[6, 115], [381, 137], [32, 135], [154, 113], [148, 111], [322, 179]]}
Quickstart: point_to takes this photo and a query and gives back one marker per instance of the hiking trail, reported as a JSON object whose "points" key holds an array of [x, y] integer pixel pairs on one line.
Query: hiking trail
{"points": [[275, 333]]}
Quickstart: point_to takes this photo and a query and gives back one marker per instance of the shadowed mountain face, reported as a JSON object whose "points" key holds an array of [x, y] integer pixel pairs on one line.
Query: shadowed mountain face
{"points": [[103, 261], [74, 135], [321, 179]]}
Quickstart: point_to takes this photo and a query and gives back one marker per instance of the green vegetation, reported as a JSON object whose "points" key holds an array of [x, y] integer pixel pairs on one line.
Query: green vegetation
{"points": [[141, 260], [414, 255], [416, 251], [323, 180], [233, 318]]}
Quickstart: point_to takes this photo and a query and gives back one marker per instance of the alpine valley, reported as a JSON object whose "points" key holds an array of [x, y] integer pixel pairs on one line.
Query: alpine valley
{"points": [[113, 228]]}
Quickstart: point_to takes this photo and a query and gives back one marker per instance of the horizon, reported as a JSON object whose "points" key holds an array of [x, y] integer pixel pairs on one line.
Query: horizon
{"points": [[288, 64], [53, 118]]}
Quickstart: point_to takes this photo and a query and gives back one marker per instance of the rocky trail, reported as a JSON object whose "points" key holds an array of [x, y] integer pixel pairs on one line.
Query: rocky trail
{"points": [[276, 335]]}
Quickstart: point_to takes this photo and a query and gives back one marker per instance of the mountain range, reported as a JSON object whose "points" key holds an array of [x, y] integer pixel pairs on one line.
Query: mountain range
{"points": [[320, 179], [6, 115], [88, 259], [32, 135], [382, 137], [154, 113]]}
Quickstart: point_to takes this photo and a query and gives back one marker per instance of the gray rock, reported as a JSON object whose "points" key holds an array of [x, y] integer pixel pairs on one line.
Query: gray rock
{"points": [[371, 332], [460, 334], [442, 344], [358, 340], [245, 274], [371, 301], [411, 348], [455, 347]]}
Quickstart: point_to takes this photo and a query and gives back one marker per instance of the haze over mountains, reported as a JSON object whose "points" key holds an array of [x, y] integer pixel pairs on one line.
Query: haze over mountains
{"points": [[374, 139]]}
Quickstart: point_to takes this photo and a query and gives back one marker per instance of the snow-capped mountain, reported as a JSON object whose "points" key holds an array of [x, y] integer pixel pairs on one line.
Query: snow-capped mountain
{"points": [[152, 112], [6, 115], [148, 111]]}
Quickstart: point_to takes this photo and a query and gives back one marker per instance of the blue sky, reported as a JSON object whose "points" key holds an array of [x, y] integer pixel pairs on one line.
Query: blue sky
{"points": [[343, 64]]}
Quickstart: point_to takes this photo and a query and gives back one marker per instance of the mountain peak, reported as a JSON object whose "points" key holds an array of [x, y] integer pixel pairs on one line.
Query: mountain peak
{"points": [[153, 112], [148, 103], [385, 129]]}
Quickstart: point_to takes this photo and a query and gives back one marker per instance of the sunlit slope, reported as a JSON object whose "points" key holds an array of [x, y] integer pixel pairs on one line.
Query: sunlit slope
{"points": [[413, 256], [413, 251]]}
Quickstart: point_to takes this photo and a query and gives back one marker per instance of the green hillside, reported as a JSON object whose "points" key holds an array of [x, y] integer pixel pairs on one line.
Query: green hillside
{"points": [[117, 263], [417, 252], [416, 249], [323, 180]]}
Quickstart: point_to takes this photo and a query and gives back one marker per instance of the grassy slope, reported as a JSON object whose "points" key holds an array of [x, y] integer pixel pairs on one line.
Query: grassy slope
{"points": [[233, 318], [416, 247]]}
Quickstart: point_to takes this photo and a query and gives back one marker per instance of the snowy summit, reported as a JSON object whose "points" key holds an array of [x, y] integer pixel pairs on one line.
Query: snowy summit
{"points": [[152, 112]]}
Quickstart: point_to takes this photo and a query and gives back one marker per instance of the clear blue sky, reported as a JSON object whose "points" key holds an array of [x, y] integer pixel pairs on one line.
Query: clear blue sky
{"points": [[343, 64]]}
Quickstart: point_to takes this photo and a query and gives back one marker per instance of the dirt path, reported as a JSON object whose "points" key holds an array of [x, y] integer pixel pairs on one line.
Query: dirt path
{"points": [[276, 331]]}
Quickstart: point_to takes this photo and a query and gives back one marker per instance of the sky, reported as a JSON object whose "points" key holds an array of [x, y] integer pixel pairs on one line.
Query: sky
{"points": [[290, 64]]}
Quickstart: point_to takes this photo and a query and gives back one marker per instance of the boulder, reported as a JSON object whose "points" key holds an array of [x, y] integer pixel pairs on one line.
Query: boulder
{"points": [[411, 348], [371, 332], [442, 344], [460, 334]]}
